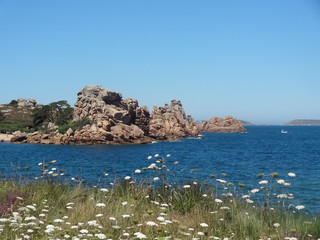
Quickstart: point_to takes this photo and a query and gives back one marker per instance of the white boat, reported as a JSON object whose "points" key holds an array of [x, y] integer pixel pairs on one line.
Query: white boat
{"points": [[284, 131]]}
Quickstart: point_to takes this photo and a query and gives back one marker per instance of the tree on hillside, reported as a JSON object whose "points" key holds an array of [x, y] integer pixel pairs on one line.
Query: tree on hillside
{"points": [[14, 103], [56, 112]]}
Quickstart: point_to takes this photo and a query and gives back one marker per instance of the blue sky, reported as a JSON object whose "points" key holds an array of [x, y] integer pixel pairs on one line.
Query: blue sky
{"points": [[255, 60]]}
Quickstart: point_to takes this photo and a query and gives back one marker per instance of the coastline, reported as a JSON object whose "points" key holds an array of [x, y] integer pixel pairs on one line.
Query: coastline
{"points": [[5, 137]]}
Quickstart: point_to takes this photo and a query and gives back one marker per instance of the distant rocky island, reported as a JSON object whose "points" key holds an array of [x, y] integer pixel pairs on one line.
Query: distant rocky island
{"points": [[102, 116], [303, 122]]}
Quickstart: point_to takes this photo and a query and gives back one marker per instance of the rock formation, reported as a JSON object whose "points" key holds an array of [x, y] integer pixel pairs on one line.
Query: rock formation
{"points": [[31, 102], [116, 120], [113, 119], [222, 125], [171, 122]]}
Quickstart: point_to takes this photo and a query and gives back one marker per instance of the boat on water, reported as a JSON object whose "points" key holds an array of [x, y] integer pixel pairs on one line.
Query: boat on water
{"points": [[284, 131], [200, 136]]}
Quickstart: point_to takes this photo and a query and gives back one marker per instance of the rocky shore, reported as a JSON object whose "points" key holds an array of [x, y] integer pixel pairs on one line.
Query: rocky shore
{"points": [[222, 125], [114, 120]]}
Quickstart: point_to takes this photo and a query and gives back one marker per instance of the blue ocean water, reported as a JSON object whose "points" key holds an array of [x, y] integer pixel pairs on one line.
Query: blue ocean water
{"points": [[264, 149]]}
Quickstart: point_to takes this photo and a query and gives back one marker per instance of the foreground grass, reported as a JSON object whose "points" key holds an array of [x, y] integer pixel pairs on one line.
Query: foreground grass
{"points": [[128, 210], [152, 206]]}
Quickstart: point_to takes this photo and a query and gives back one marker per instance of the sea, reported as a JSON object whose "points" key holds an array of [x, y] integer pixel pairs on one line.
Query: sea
{"points": [[233, 157]]}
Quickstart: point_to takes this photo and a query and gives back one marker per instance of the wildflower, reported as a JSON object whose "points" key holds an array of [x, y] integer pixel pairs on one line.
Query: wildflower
{"points": [[263, 182], [124, 203], [140, 235], [104, 190], [125, 216], [280, 181], [93, 222], [40, 163], [299, 207], [287, 184], [161, 219], [245, 196], [153, 166], [224, 208], [49, 228], [112, 218], [168, 155], [151, 224], [149, 157], [30, 218], [200, 233], [137, 171], [283, 195], [84, 231], [58, 220], [156, 179], [290, 174], [255, 190], [221, 180], [156, 155], [204, 225], [276, 225], [204, 195], [100, 205], [218, 200], [31, 207], [100, 236], [186, 186], [249, 201], [127, 177]]}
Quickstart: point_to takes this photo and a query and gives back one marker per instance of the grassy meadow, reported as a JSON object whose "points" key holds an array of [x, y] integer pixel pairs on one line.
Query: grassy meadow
{"points": [[152, 207]]}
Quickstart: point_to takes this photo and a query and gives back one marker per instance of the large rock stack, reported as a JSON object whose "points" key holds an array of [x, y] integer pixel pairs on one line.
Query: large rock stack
{"points": [[170, 122], [222, 125], [112, 118]]}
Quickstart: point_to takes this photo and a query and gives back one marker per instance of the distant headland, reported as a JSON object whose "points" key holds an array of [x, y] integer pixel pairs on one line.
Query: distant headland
{"points": [[102, 116], [303, 122]]}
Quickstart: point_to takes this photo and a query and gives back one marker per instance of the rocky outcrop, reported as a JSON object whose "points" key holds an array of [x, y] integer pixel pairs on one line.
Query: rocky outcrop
{"points": [[171, 122], [31, 102], [222, 125], [113, 119]]}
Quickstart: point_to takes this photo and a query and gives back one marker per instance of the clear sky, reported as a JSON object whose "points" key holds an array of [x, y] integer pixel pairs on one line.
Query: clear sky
{"points": [[255, 60]]}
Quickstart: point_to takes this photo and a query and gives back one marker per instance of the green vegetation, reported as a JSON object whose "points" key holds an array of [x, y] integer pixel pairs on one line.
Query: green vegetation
{"points": [[15, 119], [74, 125], [58, 113], [150, 207], [26, 119], [1, 116], [14, 103], [12, 125]]}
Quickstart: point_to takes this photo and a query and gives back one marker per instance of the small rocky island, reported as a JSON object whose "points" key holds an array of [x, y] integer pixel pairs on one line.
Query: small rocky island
{"points": [[110, 119]]}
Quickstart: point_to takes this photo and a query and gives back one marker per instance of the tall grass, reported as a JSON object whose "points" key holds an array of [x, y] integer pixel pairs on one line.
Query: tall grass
{"points": [[152, 208]]}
